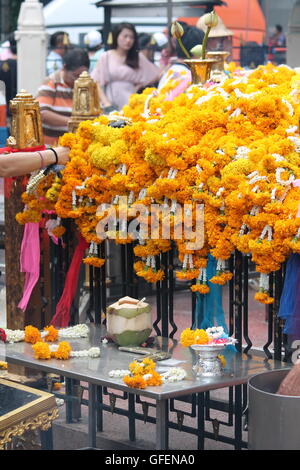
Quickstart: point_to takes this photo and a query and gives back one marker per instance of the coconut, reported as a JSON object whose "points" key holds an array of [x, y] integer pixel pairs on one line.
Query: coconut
{"points": [[129, 321]]}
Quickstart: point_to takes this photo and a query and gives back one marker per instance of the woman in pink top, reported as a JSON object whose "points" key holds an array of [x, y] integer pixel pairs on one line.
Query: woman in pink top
{"points": [[123, 70]]}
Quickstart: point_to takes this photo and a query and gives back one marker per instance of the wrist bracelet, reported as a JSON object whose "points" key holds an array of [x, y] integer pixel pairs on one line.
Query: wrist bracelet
{"points": [[42, 159], [56, 156]]}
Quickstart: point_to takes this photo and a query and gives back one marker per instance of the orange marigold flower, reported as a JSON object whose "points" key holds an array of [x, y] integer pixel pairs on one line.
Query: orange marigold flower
{"points": [[59, 231], [264, 298], [32, 334], [154, 380], [52, 333], [135, 382], [41, 350], [63, 351], [201, 288], [94, 261]]}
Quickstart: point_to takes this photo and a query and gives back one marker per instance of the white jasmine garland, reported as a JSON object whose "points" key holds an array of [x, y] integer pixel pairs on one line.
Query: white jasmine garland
{"points": [[264, 282], [241, 152], [289, 106], [92, 353], [14, 336], [266, 230], [77, 331], [291, 130], [175, 374], [118, 373], [283, 182], [236, 113], [278, 157], [34, 181]]}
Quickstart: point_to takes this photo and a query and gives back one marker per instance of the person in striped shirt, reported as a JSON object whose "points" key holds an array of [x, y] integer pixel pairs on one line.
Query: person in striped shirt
{"points": [[55, 95]]}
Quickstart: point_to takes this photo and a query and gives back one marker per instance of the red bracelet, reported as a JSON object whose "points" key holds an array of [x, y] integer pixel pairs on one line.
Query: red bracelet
{"points": [[42, 159]]}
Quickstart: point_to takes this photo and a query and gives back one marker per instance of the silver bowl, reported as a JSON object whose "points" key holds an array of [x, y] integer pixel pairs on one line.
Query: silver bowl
{"points": [[208, 364]]}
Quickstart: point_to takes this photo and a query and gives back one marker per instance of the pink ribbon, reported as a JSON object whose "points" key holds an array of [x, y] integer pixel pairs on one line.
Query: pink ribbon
{"points": [[30, 261]]}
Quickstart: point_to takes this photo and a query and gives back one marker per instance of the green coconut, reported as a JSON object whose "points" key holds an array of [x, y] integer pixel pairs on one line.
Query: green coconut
{"points": [[128, 307], [129, 321]]}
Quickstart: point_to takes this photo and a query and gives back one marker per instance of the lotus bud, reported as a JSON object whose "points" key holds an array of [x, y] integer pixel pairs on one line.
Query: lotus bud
{"points": [[196, 51], [177, 30], [211, 19]]}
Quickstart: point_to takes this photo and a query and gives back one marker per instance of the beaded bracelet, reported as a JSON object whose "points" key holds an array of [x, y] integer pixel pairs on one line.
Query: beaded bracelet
{"points": [[56, 156]]}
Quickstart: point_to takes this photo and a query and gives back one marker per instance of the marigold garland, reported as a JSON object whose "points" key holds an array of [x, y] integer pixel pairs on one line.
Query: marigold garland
{"points": [[233, 147]]}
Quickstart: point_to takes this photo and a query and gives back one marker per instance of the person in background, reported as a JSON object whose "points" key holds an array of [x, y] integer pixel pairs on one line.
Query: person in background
{"points": [[178, 70], [123, 70], [22, 163], [55, 95], [8, 71], [8, 49], [147, 46], [278, 37], [59, 44], [93, 41], [161, 49]]}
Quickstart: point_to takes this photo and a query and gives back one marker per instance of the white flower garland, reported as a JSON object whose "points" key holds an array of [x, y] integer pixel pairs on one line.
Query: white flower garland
{"points": [[215, 332], [283, 182], [118, 373], [175, 374], [77, 331], [14, 336], [93, 352]]}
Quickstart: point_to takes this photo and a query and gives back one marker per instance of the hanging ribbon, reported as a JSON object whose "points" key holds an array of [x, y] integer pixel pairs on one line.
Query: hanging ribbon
{"points": [[30, 261], [289, 297], [30, 247], [209, 310], [62, 313]]}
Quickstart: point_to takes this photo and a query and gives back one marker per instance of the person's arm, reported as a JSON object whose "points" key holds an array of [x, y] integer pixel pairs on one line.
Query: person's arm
{"points": [[54, 119], [103, 98], [99, 75], [22, 163]]}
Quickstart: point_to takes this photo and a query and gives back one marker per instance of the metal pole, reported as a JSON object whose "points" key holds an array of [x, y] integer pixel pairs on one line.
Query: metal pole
{"points": [[169, 13]]}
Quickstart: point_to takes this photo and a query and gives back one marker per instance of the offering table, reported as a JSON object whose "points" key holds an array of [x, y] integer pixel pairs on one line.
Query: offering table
{"points": [[95, 372]]}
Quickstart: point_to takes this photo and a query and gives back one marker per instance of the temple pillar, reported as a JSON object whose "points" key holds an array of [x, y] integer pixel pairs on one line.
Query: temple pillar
{"points": [[293, 36], [31, 46]]}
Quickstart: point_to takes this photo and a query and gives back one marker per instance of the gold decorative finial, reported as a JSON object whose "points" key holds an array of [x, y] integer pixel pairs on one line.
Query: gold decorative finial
{"points": [[26, 123], [86, 101]]}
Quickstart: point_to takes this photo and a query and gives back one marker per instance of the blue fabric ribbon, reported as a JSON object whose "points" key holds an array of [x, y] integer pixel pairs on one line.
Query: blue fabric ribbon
{"points": [[209, 310], [289, 301]]}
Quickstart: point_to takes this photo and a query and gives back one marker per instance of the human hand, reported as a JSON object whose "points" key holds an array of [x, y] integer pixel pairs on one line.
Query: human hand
{"points": [[63, 155]]}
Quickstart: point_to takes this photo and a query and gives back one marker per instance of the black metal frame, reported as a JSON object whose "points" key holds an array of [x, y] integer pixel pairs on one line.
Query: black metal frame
{"points": [[198, 406]]}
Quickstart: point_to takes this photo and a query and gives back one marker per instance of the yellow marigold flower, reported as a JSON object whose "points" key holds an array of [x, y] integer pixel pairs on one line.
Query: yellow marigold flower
{"points": [[187, 337], [3, 365], [201, 337], [222, 360]]}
